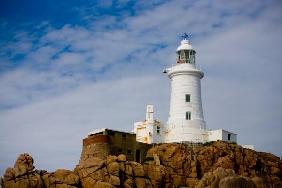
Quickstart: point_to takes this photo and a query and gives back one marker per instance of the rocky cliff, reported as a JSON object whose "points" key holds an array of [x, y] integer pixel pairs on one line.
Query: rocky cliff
{"points": [[216, 165]]}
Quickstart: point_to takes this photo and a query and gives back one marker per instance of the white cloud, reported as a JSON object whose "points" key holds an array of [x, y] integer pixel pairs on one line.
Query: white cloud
{"points": [[59, 124]]}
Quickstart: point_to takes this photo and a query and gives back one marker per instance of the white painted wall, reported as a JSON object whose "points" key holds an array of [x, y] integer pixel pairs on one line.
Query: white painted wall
{"points": [[146, 131], [185, 79], [221, 134], [249, 147]]}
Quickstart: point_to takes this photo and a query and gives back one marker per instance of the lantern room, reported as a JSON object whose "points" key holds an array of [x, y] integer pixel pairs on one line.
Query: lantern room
{"points": [[185, 52]]}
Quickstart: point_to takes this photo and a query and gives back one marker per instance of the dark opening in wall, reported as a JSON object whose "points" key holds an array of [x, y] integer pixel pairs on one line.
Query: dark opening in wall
{"points": [[187, 97], [188, 116], [138, 156], [111, 133]]}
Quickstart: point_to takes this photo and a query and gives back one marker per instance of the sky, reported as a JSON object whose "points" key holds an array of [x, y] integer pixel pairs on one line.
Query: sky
{"points": [[69, 67]]}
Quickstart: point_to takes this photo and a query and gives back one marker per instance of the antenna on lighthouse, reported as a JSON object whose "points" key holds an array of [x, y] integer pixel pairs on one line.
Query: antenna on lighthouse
{"points": [[186, 36]]}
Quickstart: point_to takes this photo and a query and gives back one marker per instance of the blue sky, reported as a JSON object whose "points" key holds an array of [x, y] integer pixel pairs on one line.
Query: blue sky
{"points": [[68, 67]]}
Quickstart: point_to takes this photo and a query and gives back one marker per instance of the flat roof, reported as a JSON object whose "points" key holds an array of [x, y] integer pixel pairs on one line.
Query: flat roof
{"points": [[96, 131], [223, 130]]}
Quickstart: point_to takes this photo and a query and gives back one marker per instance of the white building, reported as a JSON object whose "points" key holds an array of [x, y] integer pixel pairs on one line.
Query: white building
{"points": [[186, 120], [220, 134], [149, 130]]}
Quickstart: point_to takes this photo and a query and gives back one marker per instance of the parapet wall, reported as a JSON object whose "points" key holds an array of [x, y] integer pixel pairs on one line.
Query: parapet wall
{"points": [[111, 142], [96, 145], [96, 139]]}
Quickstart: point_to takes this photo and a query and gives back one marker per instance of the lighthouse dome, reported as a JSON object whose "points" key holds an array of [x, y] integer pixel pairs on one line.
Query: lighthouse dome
{"points": [[185, 45]]}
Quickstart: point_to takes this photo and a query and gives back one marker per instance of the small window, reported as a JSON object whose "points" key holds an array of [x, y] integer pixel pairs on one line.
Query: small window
{"points": [[158, 129], [192, 59], [178, 55], [229, 136], [138, 156], [182, 55], [187, 54], [123, 135], [129, 151], [187, 97], [188, 115]]}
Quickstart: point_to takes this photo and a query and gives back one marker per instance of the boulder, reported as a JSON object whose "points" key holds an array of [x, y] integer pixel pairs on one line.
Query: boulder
{"points": [[62, 178], [137, 169], [121, 158], [128, 183], [100, 184], [114, 180], [24, 161], [259, 182], [92, 162], [22, 175], [236, 182], [9, 174], [110, 159], [213, 178], [142, 183], [113, 168]]}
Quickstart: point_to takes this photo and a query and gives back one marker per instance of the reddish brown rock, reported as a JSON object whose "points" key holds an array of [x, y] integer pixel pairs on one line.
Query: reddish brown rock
{"points": [[121, 158], [142, 183], [113, 168], [128, 183], [137, 169], [236, 182], [100, 184], [61, 178], [216, 164], [259, 182]]}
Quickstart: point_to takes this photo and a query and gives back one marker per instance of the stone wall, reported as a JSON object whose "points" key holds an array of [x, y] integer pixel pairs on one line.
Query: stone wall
{"points": [[110, 142]]}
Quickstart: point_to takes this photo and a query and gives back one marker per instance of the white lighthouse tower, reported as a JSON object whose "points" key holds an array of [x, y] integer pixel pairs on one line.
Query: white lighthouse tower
{"points": [[186, 121]]}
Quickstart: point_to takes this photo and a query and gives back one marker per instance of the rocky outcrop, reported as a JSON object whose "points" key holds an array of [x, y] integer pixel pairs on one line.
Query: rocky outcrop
{"points": [[191, 165], [114, 171], [215, 165], [23, 175]]}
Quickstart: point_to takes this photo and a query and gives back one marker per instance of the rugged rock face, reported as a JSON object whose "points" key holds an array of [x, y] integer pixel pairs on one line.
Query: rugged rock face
{"points": [[184, 165], [23, 175], [214, 165], [111, 172]]}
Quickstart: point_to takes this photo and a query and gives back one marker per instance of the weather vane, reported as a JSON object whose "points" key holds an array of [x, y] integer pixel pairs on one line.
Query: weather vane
{"points": [[186, 36]]}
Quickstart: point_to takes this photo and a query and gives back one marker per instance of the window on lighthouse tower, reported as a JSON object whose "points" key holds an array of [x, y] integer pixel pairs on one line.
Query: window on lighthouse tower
{"points": [[187, 97], [182, 55], [188, 115], [187, 56], [192, 57]]}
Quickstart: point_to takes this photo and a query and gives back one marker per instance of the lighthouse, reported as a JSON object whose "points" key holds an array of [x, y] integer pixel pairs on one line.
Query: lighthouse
{"points": [[186, 120]]}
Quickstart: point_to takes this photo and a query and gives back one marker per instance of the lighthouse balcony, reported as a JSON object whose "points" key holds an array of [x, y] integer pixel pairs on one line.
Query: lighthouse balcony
{"points": [[186, 69]]}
